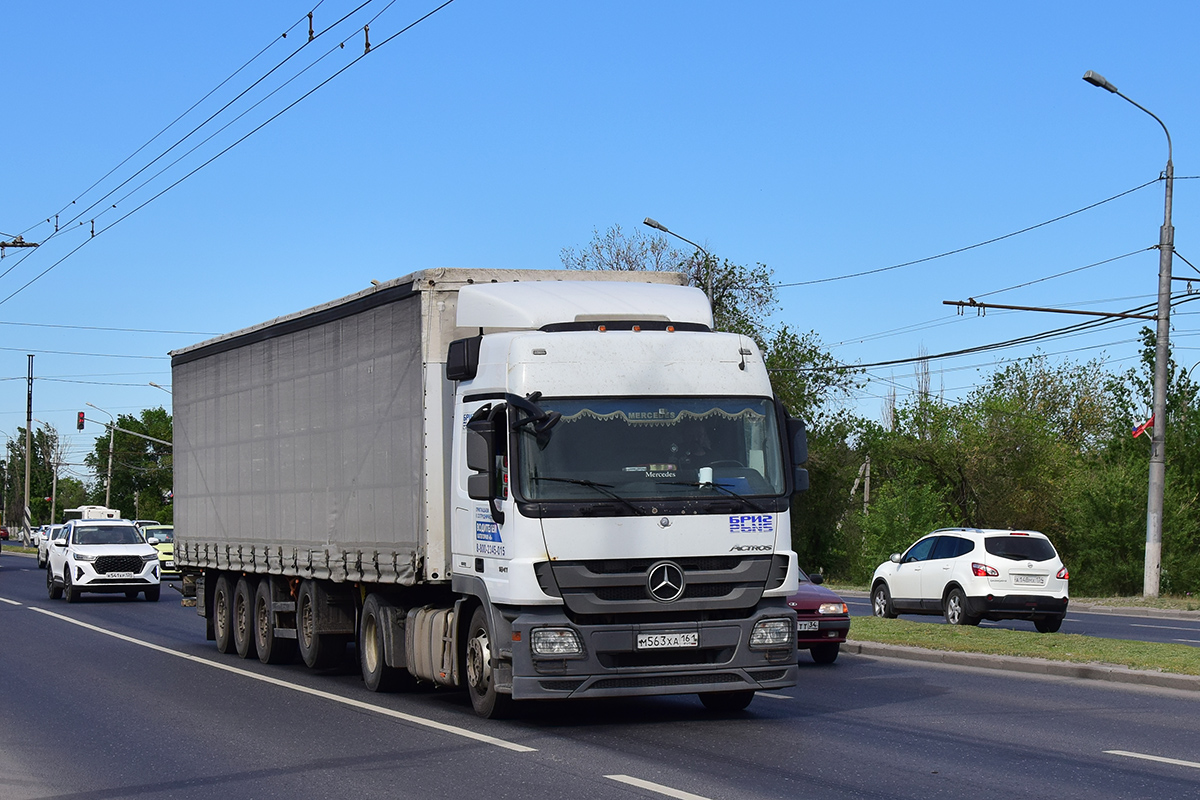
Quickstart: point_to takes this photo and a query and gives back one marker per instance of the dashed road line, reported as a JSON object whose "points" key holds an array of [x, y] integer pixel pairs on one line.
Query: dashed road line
{"points": [[1161, 759], [678, 794]]}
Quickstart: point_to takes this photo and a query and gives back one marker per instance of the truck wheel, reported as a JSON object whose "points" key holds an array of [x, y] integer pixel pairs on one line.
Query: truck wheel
{"points": [[318, 650], [68, 590], [727, 701], [243, 617], [270, 649], [377, 675], [825, 653], [52, 588], [153, 593], [222, 611], [488, 703], [956, 609]]}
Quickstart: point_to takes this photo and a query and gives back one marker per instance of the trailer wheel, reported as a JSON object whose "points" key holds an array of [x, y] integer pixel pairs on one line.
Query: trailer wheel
{"points": [[377, 675], [481, 684], [271, 650], [222, 611], [319, 650], [243, 617]]}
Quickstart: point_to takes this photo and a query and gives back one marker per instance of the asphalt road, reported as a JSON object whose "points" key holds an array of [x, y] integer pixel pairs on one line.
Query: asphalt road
{"points": [[112, 698], [1089, 623]]}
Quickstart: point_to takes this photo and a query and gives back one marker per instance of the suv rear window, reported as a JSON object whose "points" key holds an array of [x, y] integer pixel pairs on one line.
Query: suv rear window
{"points": [[1019, 548]]}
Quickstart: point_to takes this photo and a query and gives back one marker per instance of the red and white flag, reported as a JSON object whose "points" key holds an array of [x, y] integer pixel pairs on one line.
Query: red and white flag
{"points": [[1140, 429]]}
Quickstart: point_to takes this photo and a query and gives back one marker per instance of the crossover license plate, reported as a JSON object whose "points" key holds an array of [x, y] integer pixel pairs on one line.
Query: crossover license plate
{"points": [[657, 641], [118, 574], [1030, 580], [807, 625]]}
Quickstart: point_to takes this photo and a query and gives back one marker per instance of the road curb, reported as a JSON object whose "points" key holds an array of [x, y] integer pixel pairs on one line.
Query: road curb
{"points": [[1037, 666]]}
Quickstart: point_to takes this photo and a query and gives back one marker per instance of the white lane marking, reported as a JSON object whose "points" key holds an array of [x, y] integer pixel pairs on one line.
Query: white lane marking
{"points": [[775, 696], [441, 726], [10, 602], [1161, 759], [679, 794], [1192, 629], [1187, 641]]}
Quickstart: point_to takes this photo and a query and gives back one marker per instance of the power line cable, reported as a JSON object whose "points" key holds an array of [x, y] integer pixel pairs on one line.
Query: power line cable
{"points": [[255, 130]]}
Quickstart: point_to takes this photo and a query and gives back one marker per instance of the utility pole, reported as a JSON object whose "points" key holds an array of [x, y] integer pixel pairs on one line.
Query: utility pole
{"points": [[27, 521], [1158, 461]]}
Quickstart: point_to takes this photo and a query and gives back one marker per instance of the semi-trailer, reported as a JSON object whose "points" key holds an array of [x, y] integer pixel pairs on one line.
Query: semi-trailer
{"points": [[532, 484]]}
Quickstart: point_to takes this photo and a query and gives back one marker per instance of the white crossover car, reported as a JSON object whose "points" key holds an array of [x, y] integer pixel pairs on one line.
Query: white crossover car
{"points": [[102, 555], [45, 537], [969, 574]]}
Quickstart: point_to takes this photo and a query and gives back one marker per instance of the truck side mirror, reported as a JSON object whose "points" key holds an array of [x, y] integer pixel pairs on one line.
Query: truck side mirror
{"points": [[798, 440]]}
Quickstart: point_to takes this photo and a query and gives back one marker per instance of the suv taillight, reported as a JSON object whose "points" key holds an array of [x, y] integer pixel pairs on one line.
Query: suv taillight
{"points": [[984, 571], [1063, 574]]}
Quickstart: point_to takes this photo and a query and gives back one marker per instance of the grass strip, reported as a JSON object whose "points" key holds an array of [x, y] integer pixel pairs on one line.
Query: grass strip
{"points": [[1181, 659]]}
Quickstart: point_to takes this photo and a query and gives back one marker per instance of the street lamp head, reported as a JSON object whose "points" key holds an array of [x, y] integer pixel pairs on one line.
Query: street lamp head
{"points": [[653, 223], [1096, 79]]}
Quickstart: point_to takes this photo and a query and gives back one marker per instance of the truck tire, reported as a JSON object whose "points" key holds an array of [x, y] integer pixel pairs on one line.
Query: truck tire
{"points": [[222, 612], [52, 588], [243, 617], [487, 702], [377, 675], [726, 702], [271, 650], [318, 650]]}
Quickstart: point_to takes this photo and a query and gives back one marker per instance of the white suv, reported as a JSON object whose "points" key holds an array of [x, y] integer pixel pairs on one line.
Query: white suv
{"points": [[969, 574], [101, 555]]}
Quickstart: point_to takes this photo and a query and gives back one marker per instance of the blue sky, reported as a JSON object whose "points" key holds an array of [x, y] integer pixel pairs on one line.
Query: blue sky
{"points": [[820, 139]]}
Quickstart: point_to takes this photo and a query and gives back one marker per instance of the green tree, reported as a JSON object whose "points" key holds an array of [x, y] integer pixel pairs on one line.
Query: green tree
{"points": [[141, 469]]}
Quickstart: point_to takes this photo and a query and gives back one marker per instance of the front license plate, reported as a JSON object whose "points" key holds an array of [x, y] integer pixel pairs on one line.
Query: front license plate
{"points": [[807, 625], [118, 574], [1029, 580], [659, 641]]}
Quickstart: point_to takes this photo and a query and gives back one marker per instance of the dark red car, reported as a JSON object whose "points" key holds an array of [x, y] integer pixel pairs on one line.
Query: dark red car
{"points": [[822, 619], [3, 533]]}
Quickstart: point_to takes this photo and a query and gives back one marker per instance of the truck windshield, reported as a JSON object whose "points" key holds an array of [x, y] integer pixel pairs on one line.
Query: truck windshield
{"points": [[652, 448]]}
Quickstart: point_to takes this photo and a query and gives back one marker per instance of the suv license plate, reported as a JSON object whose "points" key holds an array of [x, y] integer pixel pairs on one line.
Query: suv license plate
{"points": [[1029, 580], [658, 641], [118, 574], [808, 625]]}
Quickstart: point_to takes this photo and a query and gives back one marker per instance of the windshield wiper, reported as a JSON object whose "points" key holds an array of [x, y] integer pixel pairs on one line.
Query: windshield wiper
{"points": [[602, 488], [719, 487]]}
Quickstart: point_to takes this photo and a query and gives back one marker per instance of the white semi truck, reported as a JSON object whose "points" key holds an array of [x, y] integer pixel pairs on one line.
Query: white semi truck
{"points": [[530, 484]]}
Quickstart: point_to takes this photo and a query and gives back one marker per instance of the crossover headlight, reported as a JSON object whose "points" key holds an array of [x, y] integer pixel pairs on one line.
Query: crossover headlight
{"points": [[555, 642], [151, 557], [772, 633], [833, 608], [82, 557]]}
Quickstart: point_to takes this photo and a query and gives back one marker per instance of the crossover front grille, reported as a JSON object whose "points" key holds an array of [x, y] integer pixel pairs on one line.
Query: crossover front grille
{"points": [[106, 564]]}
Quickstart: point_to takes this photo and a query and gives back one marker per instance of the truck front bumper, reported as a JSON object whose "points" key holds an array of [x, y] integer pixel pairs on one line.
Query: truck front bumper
{"points": [[613, 665]]}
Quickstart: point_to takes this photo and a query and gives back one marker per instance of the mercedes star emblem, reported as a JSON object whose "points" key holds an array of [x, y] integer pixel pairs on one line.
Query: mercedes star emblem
{"points": [[665, 581]]}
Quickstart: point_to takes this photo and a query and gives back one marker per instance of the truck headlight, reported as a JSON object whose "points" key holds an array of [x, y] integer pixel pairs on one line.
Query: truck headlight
{"points": [[833, 608], [772, 633], [555, 642]]}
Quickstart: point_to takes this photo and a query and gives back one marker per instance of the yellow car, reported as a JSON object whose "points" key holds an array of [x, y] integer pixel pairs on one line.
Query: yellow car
{"points": [[165, 534]]}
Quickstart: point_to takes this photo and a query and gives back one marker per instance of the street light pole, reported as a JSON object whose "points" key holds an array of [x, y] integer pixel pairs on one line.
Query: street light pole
{"points": [[1158, 464], [710, 268], [112, 430]]}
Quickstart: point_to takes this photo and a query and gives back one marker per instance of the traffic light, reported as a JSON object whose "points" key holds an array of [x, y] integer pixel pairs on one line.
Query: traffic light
{"points": [[79, 424]]}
